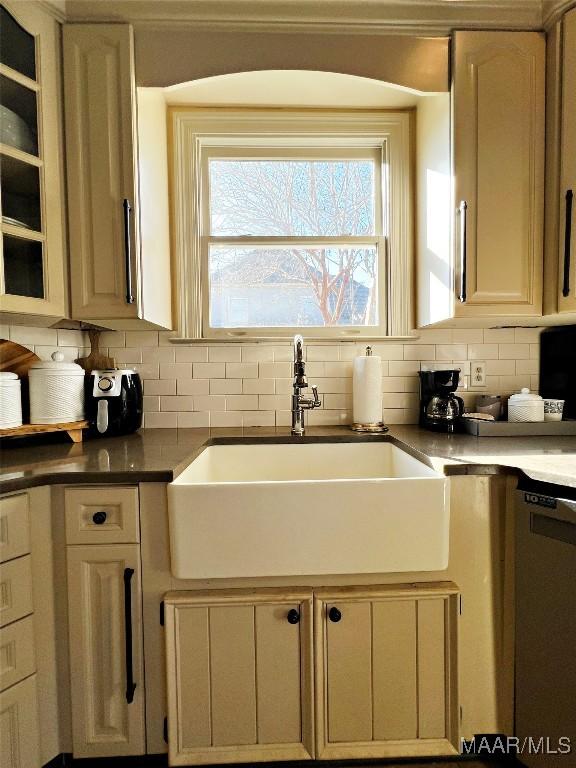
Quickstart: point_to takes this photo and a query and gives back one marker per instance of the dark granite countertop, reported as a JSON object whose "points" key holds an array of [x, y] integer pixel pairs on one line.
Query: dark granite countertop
{"points": [[159, 455]]}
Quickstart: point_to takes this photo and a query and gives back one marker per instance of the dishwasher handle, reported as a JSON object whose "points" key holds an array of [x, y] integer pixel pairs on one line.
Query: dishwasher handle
{"points": [[553, 528]]}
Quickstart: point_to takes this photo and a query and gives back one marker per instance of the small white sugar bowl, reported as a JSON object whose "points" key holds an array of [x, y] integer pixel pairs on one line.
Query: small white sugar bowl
{"points": [[10, 400], [525, 406]]}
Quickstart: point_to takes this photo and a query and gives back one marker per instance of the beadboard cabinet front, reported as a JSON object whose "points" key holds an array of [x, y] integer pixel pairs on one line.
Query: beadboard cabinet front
{"points": [[498, 130], [239, 676], [386, 671], [105, 626]]}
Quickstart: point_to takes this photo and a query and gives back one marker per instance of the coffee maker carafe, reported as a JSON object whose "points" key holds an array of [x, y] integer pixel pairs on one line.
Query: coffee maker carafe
{"points": [[440, 408]]}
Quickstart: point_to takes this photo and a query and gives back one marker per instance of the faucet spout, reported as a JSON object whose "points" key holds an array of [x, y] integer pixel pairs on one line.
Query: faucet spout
{"points": [[300, 403]]}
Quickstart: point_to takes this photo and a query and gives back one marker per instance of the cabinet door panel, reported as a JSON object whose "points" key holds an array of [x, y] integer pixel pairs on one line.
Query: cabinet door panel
{"points": [[279, 715], [104, 723], [19, 747], [233, 669], [100, 142], [568, 162], [238, 679], [394, 638], [349, 673], [499, 165], [431, 668]]}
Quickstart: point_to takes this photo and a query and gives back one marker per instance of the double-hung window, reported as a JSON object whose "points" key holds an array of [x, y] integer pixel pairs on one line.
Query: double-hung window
{"points": [[290, 228]]}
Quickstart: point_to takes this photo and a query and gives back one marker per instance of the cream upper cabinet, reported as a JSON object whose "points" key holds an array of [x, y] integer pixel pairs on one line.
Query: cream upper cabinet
{"points": [[567, 218], [116, 280], [106, 655], [32, 232], [498, 155], [239, 673], [386, 671]]}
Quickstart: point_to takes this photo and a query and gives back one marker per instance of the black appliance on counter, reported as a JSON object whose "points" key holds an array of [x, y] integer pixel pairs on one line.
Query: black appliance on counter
{"points": [[113, 402], [558, 366], [440, 408]]}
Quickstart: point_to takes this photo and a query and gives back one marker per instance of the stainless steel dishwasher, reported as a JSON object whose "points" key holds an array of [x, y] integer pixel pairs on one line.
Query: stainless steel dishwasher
{"points": [[546, 626]]}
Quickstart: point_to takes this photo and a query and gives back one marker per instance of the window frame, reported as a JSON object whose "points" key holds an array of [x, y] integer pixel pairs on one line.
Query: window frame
{"points": [[198, 134]]}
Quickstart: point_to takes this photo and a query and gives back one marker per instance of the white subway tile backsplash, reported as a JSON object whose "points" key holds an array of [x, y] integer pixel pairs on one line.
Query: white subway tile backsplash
{"points": [[242, 370], [191, 354], [514, 351], [224, 386], [242, 403], [209, 370], [160, 387], [249, 384], [195, 386], [221, 354], [257, 386]]}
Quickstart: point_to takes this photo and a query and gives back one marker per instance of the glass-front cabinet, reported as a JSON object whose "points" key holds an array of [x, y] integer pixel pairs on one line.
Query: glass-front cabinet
{"points": [[32, 234]]}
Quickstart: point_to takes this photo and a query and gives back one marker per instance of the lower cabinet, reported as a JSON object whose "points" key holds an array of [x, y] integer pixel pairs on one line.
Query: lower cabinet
{"points": [[239, 676], [106, 658], [386, 672], [19, 743], [242, 686]]}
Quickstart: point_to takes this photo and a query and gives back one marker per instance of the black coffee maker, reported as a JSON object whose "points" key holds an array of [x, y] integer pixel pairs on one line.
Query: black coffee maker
{"points": [[440, 408]]}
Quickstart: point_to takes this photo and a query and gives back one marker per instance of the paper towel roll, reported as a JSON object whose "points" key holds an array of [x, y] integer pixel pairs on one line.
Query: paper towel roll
{"points": [[367, 390]]}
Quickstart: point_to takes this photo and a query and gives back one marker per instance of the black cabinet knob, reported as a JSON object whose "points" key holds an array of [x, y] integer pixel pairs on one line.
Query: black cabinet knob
{"points": [[293, 616], [99, 518], [334, 614]]}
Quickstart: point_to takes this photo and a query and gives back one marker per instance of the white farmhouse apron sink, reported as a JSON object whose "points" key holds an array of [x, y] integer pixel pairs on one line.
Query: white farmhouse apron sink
{"points": [[278, 509]]}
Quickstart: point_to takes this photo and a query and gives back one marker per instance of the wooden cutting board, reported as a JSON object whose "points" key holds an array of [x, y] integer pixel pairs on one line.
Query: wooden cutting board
{"points": [[95, 361], [16, 358]]}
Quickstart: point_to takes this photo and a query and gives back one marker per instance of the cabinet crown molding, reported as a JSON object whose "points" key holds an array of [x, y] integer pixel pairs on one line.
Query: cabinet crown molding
{"points": [[430, 16]]}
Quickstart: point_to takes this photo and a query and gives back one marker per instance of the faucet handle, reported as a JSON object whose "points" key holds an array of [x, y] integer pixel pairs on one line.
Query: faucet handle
{"points": [[317, 402]]}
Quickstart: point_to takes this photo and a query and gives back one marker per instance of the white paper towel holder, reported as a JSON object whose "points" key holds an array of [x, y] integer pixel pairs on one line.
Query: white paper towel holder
{"points": [[375, 426]]}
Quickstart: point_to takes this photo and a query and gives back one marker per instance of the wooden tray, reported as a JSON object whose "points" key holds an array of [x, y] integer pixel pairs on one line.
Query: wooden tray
{"points": [[482, 428], [73, 428]]}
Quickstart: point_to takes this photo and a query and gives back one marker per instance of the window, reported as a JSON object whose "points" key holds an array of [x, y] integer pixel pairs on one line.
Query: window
{"points": [[291, 222]]}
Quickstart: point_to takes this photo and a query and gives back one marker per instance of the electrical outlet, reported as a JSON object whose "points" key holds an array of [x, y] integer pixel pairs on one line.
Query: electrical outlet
{"points": [[477, 375]]}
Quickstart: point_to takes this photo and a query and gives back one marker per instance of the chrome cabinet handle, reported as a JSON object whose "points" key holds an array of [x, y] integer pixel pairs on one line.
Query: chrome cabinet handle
{"points": [[567, 243], [130, 684], [128, 251], [463, 207]]}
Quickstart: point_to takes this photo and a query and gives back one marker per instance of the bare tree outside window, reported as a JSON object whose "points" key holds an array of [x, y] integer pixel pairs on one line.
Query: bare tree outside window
{"points": [[319, 283]]}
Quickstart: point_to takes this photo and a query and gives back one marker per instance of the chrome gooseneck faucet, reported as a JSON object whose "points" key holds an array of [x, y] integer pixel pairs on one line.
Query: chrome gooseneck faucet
{"points": [[299, 403]]}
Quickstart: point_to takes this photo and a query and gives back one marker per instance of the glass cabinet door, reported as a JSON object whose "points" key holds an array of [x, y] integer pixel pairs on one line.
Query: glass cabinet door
{"points": [[21, 163]]}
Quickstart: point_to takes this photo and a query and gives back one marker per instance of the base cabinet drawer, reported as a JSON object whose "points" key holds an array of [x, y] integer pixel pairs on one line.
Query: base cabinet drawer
{"points": [[239, 677], [102, 516], [15, 589], [17, 653], [19, 733], [14, 527]]}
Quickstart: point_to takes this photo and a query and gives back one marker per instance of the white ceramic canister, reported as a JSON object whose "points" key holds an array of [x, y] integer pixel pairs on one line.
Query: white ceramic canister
{"points": [[56, 391], [525, 406], [10, 400]]}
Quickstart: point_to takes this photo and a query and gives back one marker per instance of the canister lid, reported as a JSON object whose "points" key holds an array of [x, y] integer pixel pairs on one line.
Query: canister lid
{"points": [[8, 379], [57, 365], [524, 396]]}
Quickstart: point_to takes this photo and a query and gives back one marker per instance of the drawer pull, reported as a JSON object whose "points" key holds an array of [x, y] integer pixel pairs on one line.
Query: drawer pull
{"points": [[99, 518], [130, 684]]}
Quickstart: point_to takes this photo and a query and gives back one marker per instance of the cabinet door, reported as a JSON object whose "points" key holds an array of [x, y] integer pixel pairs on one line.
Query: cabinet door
{"points": [[386, 674], [498, 113], [32, 241], [19, 742], [567, 265], [239, 678], [99, 97], [105, 624]]}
